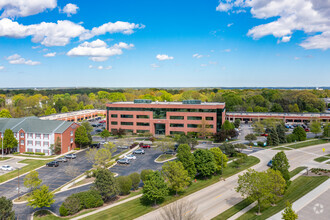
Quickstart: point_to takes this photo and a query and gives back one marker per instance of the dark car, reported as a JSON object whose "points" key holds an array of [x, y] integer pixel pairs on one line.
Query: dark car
{"points": [[52, 164], [94, 145], [138, 151], [270, 163], [70, 156], [172, 152], [61, 159], [98, 130], [124, 161], [94, 125]]}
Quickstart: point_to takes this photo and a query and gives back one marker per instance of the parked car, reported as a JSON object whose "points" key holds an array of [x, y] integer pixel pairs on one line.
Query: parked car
{"points": [[124, 161], [172, 152], [138, 151], [52, 164], [122, 147], [264, 134], [98, 130], [103, 121], [7, 167], [270, 163], [61, 159], [130, 157], [94, 125], [145, 146], [307, 129], [71, 156], [94, 145]]}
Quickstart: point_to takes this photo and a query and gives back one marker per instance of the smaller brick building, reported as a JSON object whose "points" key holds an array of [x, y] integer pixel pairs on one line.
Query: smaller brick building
{"points": [[36, 135]]}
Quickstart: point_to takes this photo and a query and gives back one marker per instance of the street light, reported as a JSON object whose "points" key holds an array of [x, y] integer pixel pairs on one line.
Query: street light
{"points": [[18, 182]]}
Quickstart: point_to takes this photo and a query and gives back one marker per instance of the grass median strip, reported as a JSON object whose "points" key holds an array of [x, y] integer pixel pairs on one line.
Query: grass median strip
{"points": [[164, 157], [322, 159], [135, 208], [31, 165], [307, 143], [4, 158]]}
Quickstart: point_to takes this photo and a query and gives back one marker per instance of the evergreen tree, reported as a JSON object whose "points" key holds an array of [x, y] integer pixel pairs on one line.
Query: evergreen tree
{"points": [[281, 133], [187, 159], [105, 184], [154, 189], [6, 209], [272, 139], [300, 133], [289, 213], [281, 163], [41, 197]]}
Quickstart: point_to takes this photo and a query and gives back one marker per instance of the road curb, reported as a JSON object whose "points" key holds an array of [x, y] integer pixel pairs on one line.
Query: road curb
{"points": [[164, 160]]}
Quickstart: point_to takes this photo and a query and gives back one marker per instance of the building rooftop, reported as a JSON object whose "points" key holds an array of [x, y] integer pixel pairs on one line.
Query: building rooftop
{"points": [[170, 103], [69, 114]]}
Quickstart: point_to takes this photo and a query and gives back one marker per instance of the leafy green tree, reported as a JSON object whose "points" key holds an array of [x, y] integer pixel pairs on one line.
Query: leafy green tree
{"points": [[250, 137], [6, 209], [105, 184], [53, 111], [57, 146], [185, 139], [4, 113], [165, 144], [41, 197], [277, 185], [175, 176], [249, 109], [254, 185], [64, 109], [258, 127], [315, 127], [227, 125], [289, 213], [145, 173], [124, 184], [300, 133], [31, 180], [187, 159], [135, 177], [203, 129], [276, 108], [220, 159], [272, 139], [204, 162], [88, 126], [81, 137], [229, 149], [281, 163], [294, 108], [326, 130], [154, 189], [9, 141], [105, 134], [237, 122], [280, 130]]}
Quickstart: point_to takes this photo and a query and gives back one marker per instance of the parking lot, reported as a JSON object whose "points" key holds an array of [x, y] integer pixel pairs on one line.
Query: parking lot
{"points": [[11, 162], [142, 162]]}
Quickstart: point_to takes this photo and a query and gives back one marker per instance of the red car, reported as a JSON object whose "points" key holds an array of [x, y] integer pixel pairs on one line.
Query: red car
{"points": [[145, 146], [264, 135], [306, 129], [103, 121]]}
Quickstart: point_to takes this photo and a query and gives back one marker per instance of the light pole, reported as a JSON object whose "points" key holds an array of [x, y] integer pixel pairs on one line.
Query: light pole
{"points": [[18, 182], [2, 143]]}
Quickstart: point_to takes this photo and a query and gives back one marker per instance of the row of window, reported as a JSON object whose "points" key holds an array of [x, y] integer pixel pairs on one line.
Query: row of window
{"points": [[130, 123], [37, 143], [37, 150], [31, 135], [171, 117], [129, 116], [189, 125]]}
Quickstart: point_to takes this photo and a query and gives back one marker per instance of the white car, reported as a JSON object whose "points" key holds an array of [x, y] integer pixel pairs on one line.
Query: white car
{"points": [[130, 157], [7, 167]]}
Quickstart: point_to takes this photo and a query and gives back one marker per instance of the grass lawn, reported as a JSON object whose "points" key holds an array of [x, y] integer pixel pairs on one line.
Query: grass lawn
{"points": [[298, 188], [134, 208], [321, 159], [296, 171], [281, 148], [34, 156], [307, 143], [31, 165], [164, 157], [4, 158]]}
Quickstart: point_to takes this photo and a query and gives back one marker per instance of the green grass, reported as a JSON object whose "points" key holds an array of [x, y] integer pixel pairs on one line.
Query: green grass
{"points": [[296, 171], [134, 208], [280, 148], [4, 158], [34, 156], [298, 188], [323, 158], [307, 143], [31, 165], [164, 157]]}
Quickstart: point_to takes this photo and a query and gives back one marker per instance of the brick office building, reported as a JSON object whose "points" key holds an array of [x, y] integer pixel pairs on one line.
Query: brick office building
{"points": [[166, 118], [36, 135]]}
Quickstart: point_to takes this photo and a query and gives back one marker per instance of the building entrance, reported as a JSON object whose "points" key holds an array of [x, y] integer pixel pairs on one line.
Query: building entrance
{"points": [[159, 128]]}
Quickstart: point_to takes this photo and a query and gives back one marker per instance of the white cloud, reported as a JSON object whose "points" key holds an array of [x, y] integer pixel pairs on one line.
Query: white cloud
{"points": [[90, 66], [60, 33], [36, 47], [162, 57], [213, 62], [17, 59], [229, 25], [154, 65], [288, 16], [227, 50], [98, 50], [196, 55], [100, 67], [2, 67], [50, 54], [70, 9], [23, 8], [108, 67]]}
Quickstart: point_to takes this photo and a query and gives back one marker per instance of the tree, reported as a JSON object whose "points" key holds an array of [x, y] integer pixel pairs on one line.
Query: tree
{"points": [[219, 158], [88, 126], [154, 189], [72, 171], [6, 209], [105, 134], [175, 176], [81, 138], [135, 177], [187, 159], [99, 158], [294, 108], [181, 209], [124, 184], [237, 122], [315, 127], [204, 162], [144, 174], [64, 109], [4, 113], [254, 185], [272, 139], [289, 213], [326, 130], [229, 149], [41, 197], [165, 144], [9, 141], [276, 108], [277, 185], [227, 125], [185, 139], [280, 130], [281, 163], [300, 133], [31, 180], [258, 127], [105, 184], [250, 137], [203, 129]]}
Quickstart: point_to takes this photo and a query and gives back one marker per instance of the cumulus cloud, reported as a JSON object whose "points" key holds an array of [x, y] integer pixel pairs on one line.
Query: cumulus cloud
{"points": [[70, 9], [98, 50], [309, 16], [162, 57], [23, 8], [2, 67], [50, 54], [17, 59], [196, 55], [60, 33], [104, 67]]}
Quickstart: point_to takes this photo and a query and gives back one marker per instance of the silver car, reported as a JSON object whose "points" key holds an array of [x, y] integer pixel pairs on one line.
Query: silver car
{"points": [[7, 167], [61, 159]]}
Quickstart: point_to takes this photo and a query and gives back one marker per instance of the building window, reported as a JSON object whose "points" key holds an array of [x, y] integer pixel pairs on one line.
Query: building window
{"points": [[46, 144], [71, 140], [194, 118], [177, 117], [22, 142], [177, 132], [38, 150], [46, 151], [71, 133], [30, 143], [209, 118], [30, 135], [29, 149], [126, 116], [22, 135], [126, 123], [128, 131], [177, 125], [38, 143], [46, 136], [142, 116], [38, 136], [114, 116], [142, 131], [142, 124], [114, 123], [209, 126], [192, 126]]}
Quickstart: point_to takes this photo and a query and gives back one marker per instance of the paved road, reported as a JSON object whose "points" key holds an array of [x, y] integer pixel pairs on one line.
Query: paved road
{"points": [[218, 197], [11, 162]]}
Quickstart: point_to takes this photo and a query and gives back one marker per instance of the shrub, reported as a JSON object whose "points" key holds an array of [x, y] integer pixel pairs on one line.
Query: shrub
{"points": [[300, 133], [89, 173], [16, 153], [28, 153], [260, 143], [77, 148], [135, 177], [291, 138], [72, 204], [90, 199], [125, 184], [144, 174], [63, 211], [40, 153]]}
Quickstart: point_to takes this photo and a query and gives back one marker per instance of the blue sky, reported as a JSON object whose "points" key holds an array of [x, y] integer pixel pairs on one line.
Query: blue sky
{"points": [[199, 43]]}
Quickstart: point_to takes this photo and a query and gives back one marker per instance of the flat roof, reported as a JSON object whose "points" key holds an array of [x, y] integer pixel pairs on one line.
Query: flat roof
{"points": [[167, 103], [70, 114]]}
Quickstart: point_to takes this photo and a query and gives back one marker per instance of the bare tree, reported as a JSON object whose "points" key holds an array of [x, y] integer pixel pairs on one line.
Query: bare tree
{"points": [[90, 155], [180, 210], [72, 172], [165, 144], [203, 129]]}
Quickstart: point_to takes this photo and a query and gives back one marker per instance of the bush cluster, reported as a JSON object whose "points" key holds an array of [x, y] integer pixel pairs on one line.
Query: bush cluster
{"points": [[36, 153]]}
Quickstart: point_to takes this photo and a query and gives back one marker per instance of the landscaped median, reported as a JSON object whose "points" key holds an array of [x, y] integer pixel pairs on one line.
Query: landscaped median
{"points": [[301, 144], [323, 158], [4, 158], [164, 158]]}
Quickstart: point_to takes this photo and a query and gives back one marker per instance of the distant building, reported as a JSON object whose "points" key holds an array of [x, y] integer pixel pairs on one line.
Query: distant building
{"points": [[167, 118], [76, 115], [36, 135]]}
